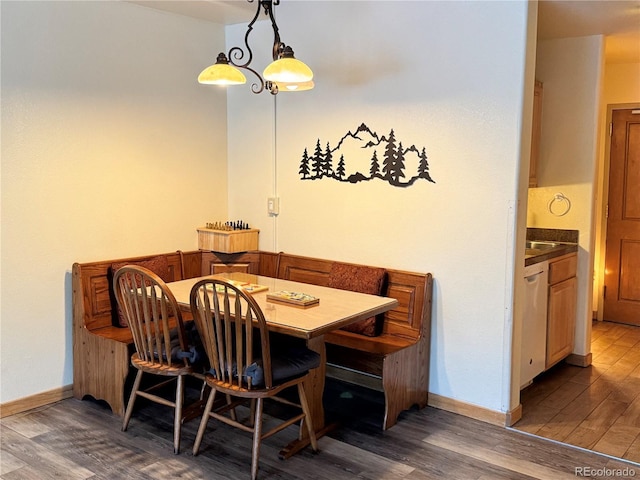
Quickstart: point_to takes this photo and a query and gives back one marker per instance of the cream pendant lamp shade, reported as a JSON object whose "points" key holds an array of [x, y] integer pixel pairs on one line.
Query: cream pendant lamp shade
{"points": [[287, 69], [221, 73]]}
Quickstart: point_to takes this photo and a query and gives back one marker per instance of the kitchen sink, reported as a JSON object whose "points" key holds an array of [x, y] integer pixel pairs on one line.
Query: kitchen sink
{"points": [[537, 250], [541, 245]]}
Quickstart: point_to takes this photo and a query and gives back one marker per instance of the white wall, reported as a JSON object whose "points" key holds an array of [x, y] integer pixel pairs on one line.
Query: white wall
{"points": [[571, 71], [621, 90], [448, 76], [110, 148]]}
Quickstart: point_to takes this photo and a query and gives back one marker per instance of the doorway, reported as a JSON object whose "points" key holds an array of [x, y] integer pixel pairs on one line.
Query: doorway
{"points": [[598, 407]]}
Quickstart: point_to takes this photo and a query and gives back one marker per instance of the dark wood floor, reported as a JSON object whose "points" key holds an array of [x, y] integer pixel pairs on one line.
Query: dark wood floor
{"points": [[597, 407], [75, 439]]}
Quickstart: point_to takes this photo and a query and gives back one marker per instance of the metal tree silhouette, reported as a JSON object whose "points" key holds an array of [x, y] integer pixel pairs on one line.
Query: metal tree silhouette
{"points": [[304, 165], [327, 162], [374, 171], [423, 166], [340, 170], [316, 162], [388, 164]]}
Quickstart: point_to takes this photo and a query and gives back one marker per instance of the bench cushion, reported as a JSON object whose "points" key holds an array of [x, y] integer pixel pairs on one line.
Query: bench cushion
{"points": [[195, 351], [362, 279], [158, 265], [290, 362]]}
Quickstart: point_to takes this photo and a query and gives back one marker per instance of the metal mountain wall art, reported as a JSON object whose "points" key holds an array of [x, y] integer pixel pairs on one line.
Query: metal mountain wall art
{"points": [[363, 156]]}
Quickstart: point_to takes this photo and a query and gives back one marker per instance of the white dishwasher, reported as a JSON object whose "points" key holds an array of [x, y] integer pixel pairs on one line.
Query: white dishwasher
{"points": [[534, 324]]}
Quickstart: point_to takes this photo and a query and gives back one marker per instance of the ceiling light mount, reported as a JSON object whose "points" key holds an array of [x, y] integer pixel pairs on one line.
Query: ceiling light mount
{"points": [[285, 71]]}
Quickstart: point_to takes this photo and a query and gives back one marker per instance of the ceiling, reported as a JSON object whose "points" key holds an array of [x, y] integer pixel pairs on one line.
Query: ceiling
{"points": [[226, 12], [619, 20]]}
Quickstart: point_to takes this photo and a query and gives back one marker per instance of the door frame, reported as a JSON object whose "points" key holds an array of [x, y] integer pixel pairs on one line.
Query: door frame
{"points": [[601, 208]]}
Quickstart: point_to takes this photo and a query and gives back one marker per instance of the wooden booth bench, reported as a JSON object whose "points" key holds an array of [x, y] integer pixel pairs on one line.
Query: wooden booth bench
{"points": [[395, 362]]}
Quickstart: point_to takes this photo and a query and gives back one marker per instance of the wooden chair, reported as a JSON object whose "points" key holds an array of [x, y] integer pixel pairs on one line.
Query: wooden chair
{"points": [[156, 325], [236, 340]]}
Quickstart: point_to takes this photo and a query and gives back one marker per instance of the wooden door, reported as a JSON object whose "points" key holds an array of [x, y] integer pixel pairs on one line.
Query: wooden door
{"points": [[622, 258]]}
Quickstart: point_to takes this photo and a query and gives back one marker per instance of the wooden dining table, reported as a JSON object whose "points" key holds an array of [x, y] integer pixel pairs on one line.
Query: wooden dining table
{"points": [[336, 309]]}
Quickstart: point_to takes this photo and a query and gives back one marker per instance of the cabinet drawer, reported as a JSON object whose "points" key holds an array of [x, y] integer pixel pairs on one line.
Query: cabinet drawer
{"points": [[565, 267]]}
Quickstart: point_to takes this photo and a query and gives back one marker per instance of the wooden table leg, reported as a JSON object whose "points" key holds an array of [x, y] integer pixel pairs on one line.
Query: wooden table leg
{"points": [[314, 388]]}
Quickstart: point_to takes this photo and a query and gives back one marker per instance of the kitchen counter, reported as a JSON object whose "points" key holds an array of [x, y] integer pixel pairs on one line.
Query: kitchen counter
{"points": [[566, 242], [533, 256]]}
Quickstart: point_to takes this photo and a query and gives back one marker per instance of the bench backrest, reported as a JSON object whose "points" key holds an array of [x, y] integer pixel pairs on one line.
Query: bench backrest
{"points": [[93, 288], [93, 298], [411, 318]]}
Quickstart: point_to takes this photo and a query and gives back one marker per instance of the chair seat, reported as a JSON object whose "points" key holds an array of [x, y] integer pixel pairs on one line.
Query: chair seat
{"points": [[158, 368], [289, 362]]}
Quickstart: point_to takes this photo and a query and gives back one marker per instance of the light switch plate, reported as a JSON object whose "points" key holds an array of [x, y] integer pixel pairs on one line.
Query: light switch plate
{"points": [[273, 205]]}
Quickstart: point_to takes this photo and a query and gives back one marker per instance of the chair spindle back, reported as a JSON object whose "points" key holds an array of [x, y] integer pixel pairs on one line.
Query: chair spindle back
{"points": [[151, 311], [226, 317]]}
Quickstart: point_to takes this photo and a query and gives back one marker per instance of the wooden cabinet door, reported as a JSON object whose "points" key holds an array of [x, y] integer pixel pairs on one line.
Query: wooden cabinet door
{"points": [[561, 320]]}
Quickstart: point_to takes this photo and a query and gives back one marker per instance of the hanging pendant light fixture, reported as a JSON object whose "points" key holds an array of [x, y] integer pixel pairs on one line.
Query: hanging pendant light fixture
{"points": [[285, 73]]}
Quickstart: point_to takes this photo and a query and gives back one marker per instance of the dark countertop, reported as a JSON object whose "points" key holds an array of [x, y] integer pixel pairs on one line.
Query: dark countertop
{"points": [[561, 249], [567, 241]]}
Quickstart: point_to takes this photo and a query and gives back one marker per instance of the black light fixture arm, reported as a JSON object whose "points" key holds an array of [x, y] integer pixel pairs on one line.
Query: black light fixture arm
{"points": [[237, 54], [278, 46]]}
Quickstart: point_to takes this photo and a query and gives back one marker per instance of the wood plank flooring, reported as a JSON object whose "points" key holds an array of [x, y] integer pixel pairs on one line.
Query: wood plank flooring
{"points": [[597, 407], [75, 439]]}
